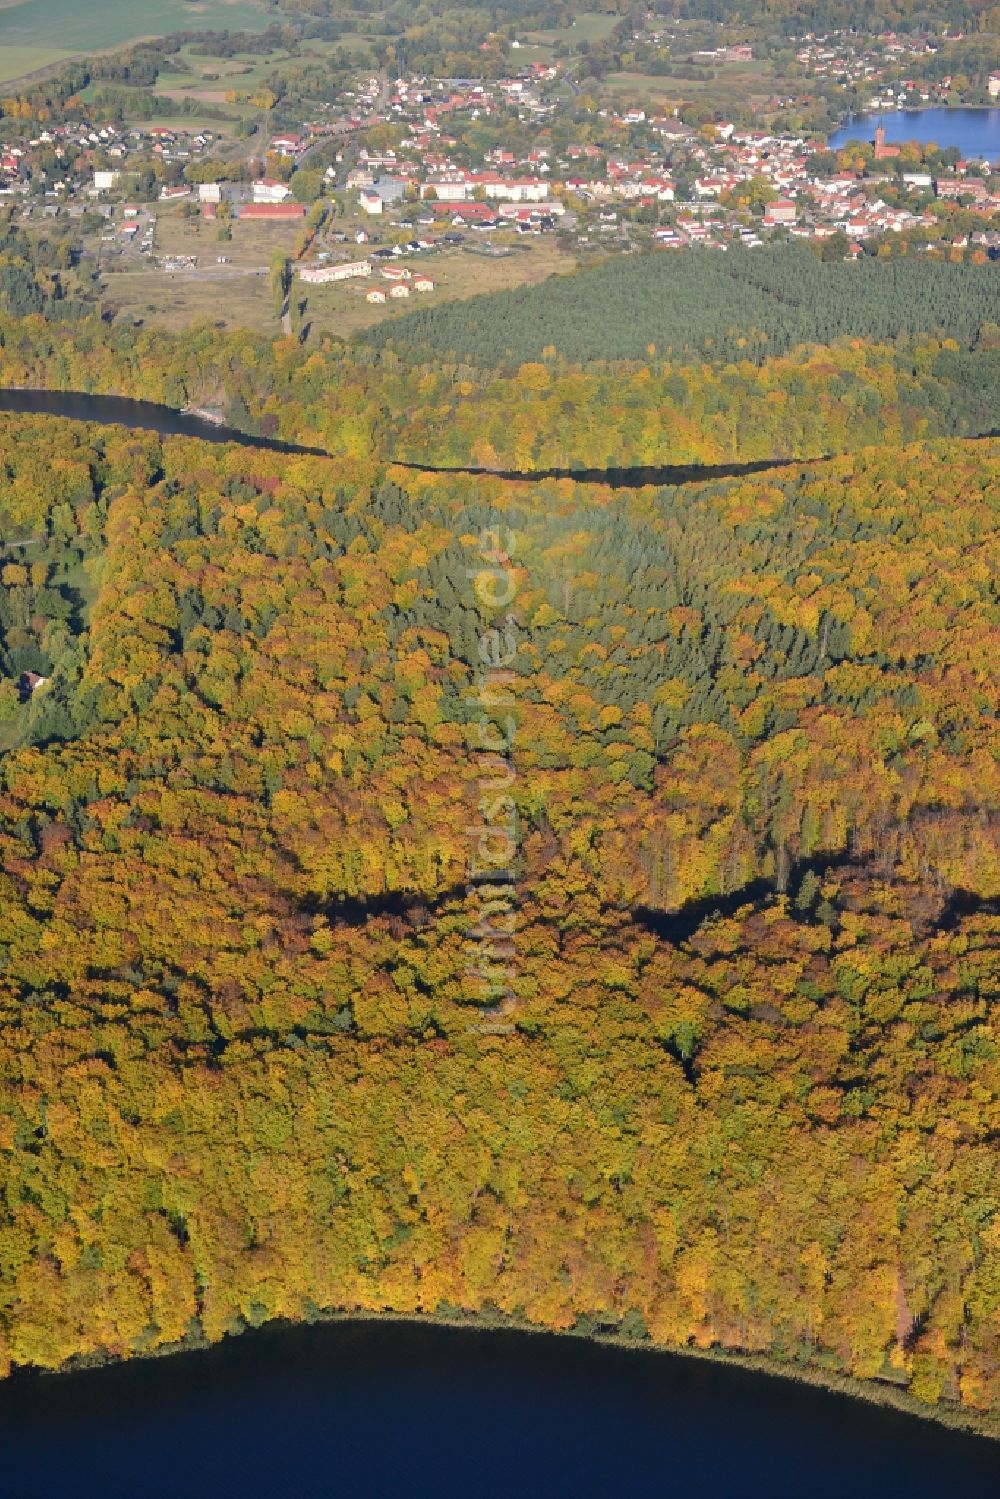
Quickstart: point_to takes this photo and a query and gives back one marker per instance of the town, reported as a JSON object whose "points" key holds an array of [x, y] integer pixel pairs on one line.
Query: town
{"points": [[415, 186]]}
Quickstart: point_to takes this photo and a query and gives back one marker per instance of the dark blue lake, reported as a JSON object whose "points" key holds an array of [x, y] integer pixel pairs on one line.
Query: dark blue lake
{"points": [[372, 1410], [976, 132]]}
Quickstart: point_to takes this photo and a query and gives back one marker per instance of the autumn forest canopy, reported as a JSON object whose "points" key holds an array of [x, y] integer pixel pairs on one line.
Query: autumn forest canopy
{"points": [[716, 1063], [753, 771]]}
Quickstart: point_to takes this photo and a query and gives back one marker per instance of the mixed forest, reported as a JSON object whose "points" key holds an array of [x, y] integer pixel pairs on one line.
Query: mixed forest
{"points": [[745, 1094], [648, 360]]}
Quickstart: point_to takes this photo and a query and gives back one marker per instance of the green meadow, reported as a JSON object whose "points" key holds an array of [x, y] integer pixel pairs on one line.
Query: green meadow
{"points": [[592, 26]]}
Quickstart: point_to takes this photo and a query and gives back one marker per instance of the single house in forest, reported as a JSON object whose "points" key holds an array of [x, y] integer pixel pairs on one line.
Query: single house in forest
{"points": [[29, 682]]}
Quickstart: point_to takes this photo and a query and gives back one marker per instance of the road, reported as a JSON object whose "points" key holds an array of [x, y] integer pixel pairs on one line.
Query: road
{"points": [[344, 131]]}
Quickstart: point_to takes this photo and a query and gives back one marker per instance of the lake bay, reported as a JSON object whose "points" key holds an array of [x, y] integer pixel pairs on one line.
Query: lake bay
{"points": [[976, 132]]}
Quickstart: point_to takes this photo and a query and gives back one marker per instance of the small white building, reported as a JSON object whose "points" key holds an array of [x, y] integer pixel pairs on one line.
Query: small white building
{"points": [[209, 192], [105, 182], [375, 295], [268, 191], [369, 200]]}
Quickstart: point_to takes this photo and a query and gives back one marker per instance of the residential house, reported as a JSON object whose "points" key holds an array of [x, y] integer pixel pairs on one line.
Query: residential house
{"points": [[781, 211]]}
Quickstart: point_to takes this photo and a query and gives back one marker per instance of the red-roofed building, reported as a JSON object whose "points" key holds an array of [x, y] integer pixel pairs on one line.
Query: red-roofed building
{"points": [[882, 151], [466, 213], [272, 212], [781, 211]]}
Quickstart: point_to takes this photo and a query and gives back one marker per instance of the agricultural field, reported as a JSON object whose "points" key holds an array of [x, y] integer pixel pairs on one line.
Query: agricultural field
{"points": [[643, 86], [184, 86], [207, 83], [732, 85], [22, 62], [341, 309], [89, 28]]}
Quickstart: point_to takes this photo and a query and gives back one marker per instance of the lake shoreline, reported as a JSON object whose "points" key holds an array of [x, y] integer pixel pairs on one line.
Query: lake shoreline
{"points": [[194, 424], [919, 109], [973, 129], [883, 1394]]}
